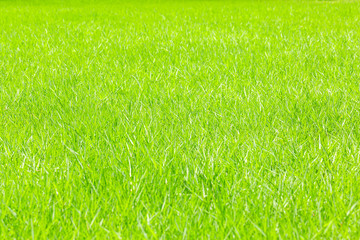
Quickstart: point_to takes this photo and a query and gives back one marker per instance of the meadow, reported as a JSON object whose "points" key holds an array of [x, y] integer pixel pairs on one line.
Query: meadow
{"points": [[179, 119]]}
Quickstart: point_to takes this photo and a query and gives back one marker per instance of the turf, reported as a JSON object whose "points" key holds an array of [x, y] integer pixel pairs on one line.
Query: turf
{"points": [[179, 120]]}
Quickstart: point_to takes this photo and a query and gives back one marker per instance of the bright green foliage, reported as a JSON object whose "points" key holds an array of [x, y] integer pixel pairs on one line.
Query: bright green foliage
{"points": [[179, 120]]}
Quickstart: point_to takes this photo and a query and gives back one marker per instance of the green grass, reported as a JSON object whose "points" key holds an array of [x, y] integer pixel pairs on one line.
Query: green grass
{"points": [[180, 120]]}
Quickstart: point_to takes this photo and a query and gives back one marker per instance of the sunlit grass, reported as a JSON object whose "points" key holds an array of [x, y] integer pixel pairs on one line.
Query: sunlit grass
{"points": [[179, 120]]}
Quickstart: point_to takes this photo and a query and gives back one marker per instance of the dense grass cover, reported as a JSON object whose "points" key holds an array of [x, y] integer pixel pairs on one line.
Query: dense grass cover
{"points": [[169, 120]]}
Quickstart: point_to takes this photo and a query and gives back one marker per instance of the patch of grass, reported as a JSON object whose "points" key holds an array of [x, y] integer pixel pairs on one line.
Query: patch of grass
{"points": [[236, 119]]}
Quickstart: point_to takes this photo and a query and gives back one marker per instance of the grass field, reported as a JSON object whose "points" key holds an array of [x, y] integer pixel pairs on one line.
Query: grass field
{"points": [[179, 120]]}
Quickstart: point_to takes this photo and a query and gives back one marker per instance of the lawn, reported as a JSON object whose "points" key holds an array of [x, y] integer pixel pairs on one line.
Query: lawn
{"points": [[179, 119]]}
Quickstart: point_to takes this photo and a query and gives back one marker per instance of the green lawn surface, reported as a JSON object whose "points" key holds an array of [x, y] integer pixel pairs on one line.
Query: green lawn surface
{"points": [[179, 119]]}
